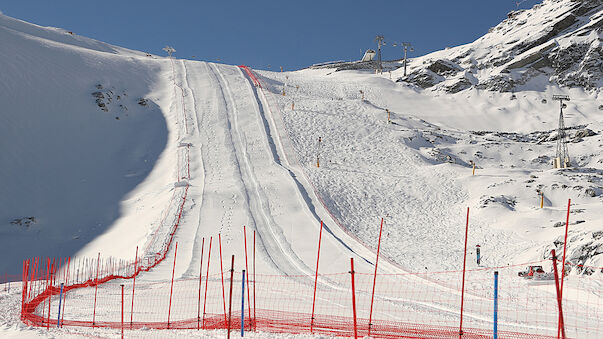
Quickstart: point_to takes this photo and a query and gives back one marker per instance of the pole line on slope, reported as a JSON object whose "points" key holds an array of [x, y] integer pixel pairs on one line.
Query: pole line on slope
{"points": [[133, 287], [254, 318], [95, 291], [200, 275], [25, 282], [569, 201], [315, 279], [560, 325], [122, 311], [222, 275], [495, 329], [206, 280], [172, 286], [354, 298], [375, 279], [65, 295], [464, 266], [247, 269], [230, 297], [51, 281]]}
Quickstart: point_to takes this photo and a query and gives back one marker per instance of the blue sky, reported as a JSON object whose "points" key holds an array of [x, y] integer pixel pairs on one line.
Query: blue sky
{"points": [[292, 34]]}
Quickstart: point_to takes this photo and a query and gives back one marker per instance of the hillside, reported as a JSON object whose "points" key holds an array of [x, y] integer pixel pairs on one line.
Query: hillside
{"points": [[82, 129], [557, 42]]}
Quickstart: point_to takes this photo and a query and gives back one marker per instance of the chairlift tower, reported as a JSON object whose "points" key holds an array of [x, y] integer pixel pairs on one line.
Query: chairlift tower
{"points": [[379, 39], [406, 46], [562, 159], [170, 50]]}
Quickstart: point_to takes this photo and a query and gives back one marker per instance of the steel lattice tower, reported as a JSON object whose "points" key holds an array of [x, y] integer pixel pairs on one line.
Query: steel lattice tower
{"points": [[562, 159]]}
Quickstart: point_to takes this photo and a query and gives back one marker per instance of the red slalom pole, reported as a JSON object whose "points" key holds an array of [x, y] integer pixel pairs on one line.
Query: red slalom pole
{"points": [[52, 268], [315, 279], [230, 297], [247, 275], [206, 279], [569, 201], [122, 311], [200, 275], [45, 287], [254, 322], [464, 266], [95, 291], [561, 326], [65, 294], [134, 287], [375, 279], [172, 286], [222, 275], [354, 298]]}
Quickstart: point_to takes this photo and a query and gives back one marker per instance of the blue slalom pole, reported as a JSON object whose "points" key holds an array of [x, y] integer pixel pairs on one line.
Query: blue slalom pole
{"points": [[243, 305], [477, 252], [495, 333], [60, 300]]}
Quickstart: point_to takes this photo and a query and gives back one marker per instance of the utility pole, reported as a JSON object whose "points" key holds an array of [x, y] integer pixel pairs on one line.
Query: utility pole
{"points": [[562, 159], [379, 39]]}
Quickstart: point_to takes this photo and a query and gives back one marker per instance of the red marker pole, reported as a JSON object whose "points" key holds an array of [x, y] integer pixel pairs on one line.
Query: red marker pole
{"points": [[315, 279], [247, 275], [230, 297], [569, 201], [206, 280], [65, 294], [565, 244], [561, 326], [50, 280], [464, 266], [95, 290], [200, 275], [254, 322], [354, 298], [222, 275], [134, 286], [172, 287], [122, 311], [375, 279]]}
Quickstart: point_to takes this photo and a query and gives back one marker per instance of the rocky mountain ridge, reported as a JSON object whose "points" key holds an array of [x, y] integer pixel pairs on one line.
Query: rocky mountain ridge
{"points": [[557, 42]]}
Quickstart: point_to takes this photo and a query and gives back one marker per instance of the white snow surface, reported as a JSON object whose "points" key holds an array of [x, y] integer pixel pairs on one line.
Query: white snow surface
{"points": [[97, 184]]}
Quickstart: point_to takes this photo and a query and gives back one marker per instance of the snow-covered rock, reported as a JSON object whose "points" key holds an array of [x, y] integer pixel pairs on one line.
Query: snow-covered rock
{"points": [[557, 42]]}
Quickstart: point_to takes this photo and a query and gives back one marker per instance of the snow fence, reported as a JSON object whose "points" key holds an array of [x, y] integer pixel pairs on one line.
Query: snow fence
{"points": [[421, 305]]}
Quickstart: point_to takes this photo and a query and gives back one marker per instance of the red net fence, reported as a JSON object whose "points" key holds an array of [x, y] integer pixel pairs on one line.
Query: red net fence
{"points": [[411, 305]]}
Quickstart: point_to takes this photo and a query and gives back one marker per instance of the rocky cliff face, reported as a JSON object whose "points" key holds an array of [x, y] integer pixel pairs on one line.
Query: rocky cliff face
{"points": [[555, 42]]}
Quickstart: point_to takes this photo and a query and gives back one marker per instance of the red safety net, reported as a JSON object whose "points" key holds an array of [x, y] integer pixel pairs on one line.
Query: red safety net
{"points": [[412, 305]]}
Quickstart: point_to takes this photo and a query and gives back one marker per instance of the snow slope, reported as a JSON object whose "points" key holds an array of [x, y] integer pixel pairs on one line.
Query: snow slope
{"points": [[66, 163], [416, 170]]}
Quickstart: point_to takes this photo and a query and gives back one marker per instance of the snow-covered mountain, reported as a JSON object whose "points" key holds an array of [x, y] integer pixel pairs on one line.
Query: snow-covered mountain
{"points": [[98, 142], [555, 42]]}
